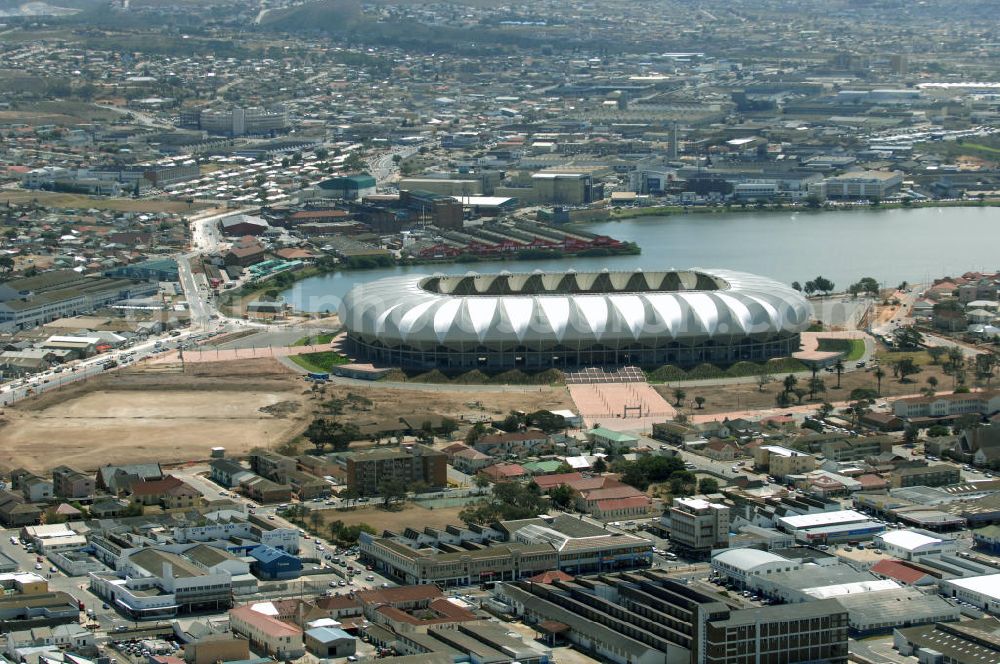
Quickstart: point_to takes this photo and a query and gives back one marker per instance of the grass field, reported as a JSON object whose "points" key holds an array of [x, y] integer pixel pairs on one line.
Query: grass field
{"points": [[82, 202], [317, 340], [853, 349], [322, 362]]}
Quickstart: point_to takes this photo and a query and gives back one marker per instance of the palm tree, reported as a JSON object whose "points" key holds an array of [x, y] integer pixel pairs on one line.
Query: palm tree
{"points": [[839, 367], [879, 375]]}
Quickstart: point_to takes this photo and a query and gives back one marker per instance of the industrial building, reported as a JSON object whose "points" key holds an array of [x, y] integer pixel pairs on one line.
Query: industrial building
{"points": [[827, 527]]}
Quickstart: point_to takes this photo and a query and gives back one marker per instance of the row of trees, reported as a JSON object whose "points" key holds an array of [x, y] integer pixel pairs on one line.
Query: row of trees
{"points": [[820, 285]]}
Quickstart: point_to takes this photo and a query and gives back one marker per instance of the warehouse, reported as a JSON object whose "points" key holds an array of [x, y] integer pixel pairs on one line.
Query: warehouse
{"points": [[914, 544], [839, 526], [980, 591]]}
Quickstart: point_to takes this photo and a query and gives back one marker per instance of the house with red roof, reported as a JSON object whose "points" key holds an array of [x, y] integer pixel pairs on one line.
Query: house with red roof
{"points": [[505, 472]]}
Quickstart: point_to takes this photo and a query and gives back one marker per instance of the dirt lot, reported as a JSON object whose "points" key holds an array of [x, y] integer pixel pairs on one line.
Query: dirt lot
{"points": [[744, 396], [158, 413], [80, 201], [466, 404], [154, 416], [411, 515]]}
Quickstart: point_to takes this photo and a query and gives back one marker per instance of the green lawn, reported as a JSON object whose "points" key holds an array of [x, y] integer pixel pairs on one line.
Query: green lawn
{"points": [[316, 340], [853, 349], [322, 362]]}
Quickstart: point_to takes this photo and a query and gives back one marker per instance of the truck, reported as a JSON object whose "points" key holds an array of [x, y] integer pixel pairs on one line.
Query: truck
{"points": [[110, 364], [318, 377]]}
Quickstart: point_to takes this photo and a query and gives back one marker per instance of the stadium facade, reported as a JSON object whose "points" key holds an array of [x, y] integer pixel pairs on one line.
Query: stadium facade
{"points": [[573, 319]]}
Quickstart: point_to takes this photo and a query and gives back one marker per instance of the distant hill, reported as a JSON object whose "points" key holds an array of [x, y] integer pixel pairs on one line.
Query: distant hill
{"points": [[331, 16]]}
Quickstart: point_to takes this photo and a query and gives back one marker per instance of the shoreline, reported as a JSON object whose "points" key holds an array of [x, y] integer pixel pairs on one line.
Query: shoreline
{"points": [[615, 214]]}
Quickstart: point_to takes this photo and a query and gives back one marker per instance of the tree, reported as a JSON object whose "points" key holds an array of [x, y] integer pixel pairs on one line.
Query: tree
{"points": [[763, 378], [932, 382], [448, 426], [600, 466], [810, 287], [562, 496], [936, 353], [824, 410], [879, 374], [315, 518], [800, 393], [986, 364], [392, 492], [547, 421], [903, 368], [510, 500], [322, 432], [476, 431], [908, 338], [839, 368], [679, 395], [782, 399], [790, 382], [513, 422], [797, 286], [822, 284], [708, 485], [910, 434], [700, 401], [349, 495], [481, 481], [816, 386]]}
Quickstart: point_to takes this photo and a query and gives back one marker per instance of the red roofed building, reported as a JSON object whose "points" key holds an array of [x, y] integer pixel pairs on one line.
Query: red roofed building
{"points": [[905, 573], [588, 500], [170, 493], [267, 634], [622, 508], [505, 472], [551, 577]]}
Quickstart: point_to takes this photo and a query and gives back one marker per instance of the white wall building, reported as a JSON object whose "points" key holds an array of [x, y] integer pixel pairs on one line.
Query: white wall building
{"points": [[740, 565], [914, 544], [981, 591]]}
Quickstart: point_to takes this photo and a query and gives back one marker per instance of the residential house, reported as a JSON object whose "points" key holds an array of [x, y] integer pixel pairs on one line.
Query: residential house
{"points": [[228, 473], [170, 493], [505, 472], [15, 512], [34, 488], [721, 450], [609, 439], [71, 484], [514, 442], [117, 479]]}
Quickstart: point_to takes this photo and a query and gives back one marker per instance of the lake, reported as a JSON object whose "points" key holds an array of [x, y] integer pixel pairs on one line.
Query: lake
{"points": [[915, 245]]}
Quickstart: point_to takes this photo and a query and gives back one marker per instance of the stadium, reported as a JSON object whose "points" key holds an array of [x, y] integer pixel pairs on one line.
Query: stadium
{"points": [[569, 320]]}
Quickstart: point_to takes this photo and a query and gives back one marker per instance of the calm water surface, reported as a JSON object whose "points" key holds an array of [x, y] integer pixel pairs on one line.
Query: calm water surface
{"points": [[891, 245]]}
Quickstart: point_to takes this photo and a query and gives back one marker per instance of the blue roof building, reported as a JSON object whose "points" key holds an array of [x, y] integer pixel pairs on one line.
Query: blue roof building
{"points": [[270, 563]]}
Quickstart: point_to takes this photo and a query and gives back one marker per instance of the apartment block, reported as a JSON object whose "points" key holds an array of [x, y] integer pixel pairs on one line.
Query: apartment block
{"points": [[370, 469]]}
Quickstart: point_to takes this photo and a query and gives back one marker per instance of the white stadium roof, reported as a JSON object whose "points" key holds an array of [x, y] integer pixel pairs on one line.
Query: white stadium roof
{"points": [[606, 308]]}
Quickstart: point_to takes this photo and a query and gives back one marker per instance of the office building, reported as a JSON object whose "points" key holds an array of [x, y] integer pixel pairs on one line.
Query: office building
{"points": [[697, 525], [645, 617], [863, 185], [368, 470]]}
